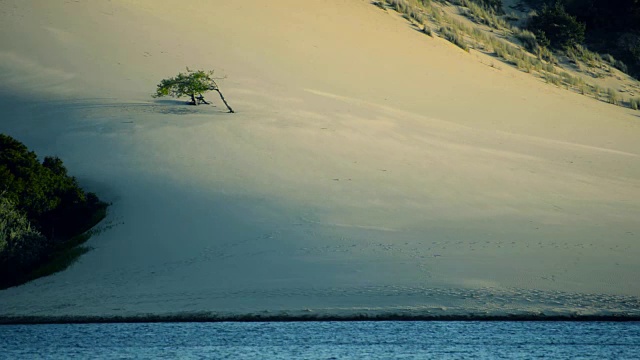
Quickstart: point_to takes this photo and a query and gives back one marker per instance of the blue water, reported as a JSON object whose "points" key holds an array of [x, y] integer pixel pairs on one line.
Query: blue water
{"points": [[324, 340]]}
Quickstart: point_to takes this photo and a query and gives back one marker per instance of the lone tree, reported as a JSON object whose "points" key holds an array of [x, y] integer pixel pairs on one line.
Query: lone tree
{"points": [[193, 84]]}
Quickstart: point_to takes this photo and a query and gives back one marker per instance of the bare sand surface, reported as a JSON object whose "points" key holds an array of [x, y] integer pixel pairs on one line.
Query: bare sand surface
{"points": [[369, 169]]}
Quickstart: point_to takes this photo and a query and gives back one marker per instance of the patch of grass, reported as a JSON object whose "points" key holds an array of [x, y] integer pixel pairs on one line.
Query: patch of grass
{"points": [[591, 59], [569, 79], [527, 39], [597, 90], [400, 6], [437, 15], [454, 37], [549, 68], [480, 36], [612, 96], [583, 89], [408, 11], [426, 29], [544, 54], [503, 50], [634, 103], [552, 79], [481, 15], [416, 14], [524, 65]]}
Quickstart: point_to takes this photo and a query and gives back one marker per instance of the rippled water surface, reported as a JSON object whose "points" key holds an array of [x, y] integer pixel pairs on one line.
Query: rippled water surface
{"points": [[324, 340]]}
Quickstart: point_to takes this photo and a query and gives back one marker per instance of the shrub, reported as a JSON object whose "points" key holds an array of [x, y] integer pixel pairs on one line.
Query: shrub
{"points": [[41, 208], [634, 103], [21, 246], [559, 27]]}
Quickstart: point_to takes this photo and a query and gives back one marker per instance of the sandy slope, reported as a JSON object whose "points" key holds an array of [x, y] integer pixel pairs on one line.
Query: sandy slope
{"points": [[369, 168]]}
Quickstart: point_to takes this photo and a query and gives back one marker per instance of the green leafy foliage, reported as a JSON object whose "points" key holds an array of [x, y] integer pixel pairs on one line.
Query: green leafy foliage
{"points": [[193, 84], [21, 246], [41, 208]]}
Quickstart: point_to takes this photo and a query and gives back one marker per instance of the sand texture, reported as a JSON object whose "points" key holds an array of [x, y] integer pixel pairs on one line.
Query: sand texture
{"points": [[369, 168]]}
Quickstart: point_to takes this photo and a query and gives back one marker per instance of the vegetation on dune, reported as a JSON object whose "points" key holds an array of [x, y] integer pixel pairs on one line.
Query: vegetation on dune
{"points": [[44, 214], [193, 84], [551, 48], [554, 26], [453, 36], [611, 27]]}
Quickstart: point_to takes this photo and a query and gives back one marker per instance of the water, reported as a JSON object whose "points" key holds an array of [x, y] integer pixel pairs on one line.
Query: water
{"points": [[324, 340]]}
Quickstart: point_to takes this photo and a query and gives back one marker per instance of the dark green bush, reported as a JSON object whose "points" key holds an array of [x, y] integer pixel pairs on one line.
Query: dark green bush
{"points": [[559, 27], [41, 209]]}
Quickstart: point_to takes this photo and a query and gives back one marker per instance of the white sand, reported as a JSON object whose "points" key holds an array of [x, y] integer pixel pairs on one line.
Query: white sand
{"points": [[368, 169]]}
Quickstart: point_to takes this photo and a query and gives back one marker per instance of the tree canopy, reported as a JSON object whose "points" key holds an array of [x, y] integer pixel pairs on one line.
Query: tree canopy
{"points": [[193, 84]]}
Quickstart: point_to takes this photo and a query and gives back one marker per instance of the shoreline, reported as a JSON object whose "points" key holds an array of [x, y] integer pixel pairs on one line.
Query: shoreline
{"points": [[212, 318]]}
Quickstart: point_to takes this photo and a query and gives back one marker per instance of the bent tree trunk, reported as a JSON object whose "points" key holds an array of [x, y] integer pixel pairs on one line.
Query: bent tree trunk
{"points": [[224, 101], [200, 100], [193, 99]]}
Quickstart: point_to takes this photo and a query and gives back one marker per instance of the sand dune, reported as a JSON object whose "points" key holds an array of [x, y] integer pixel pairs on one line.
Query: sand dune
{"points": [[368, 169]]}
